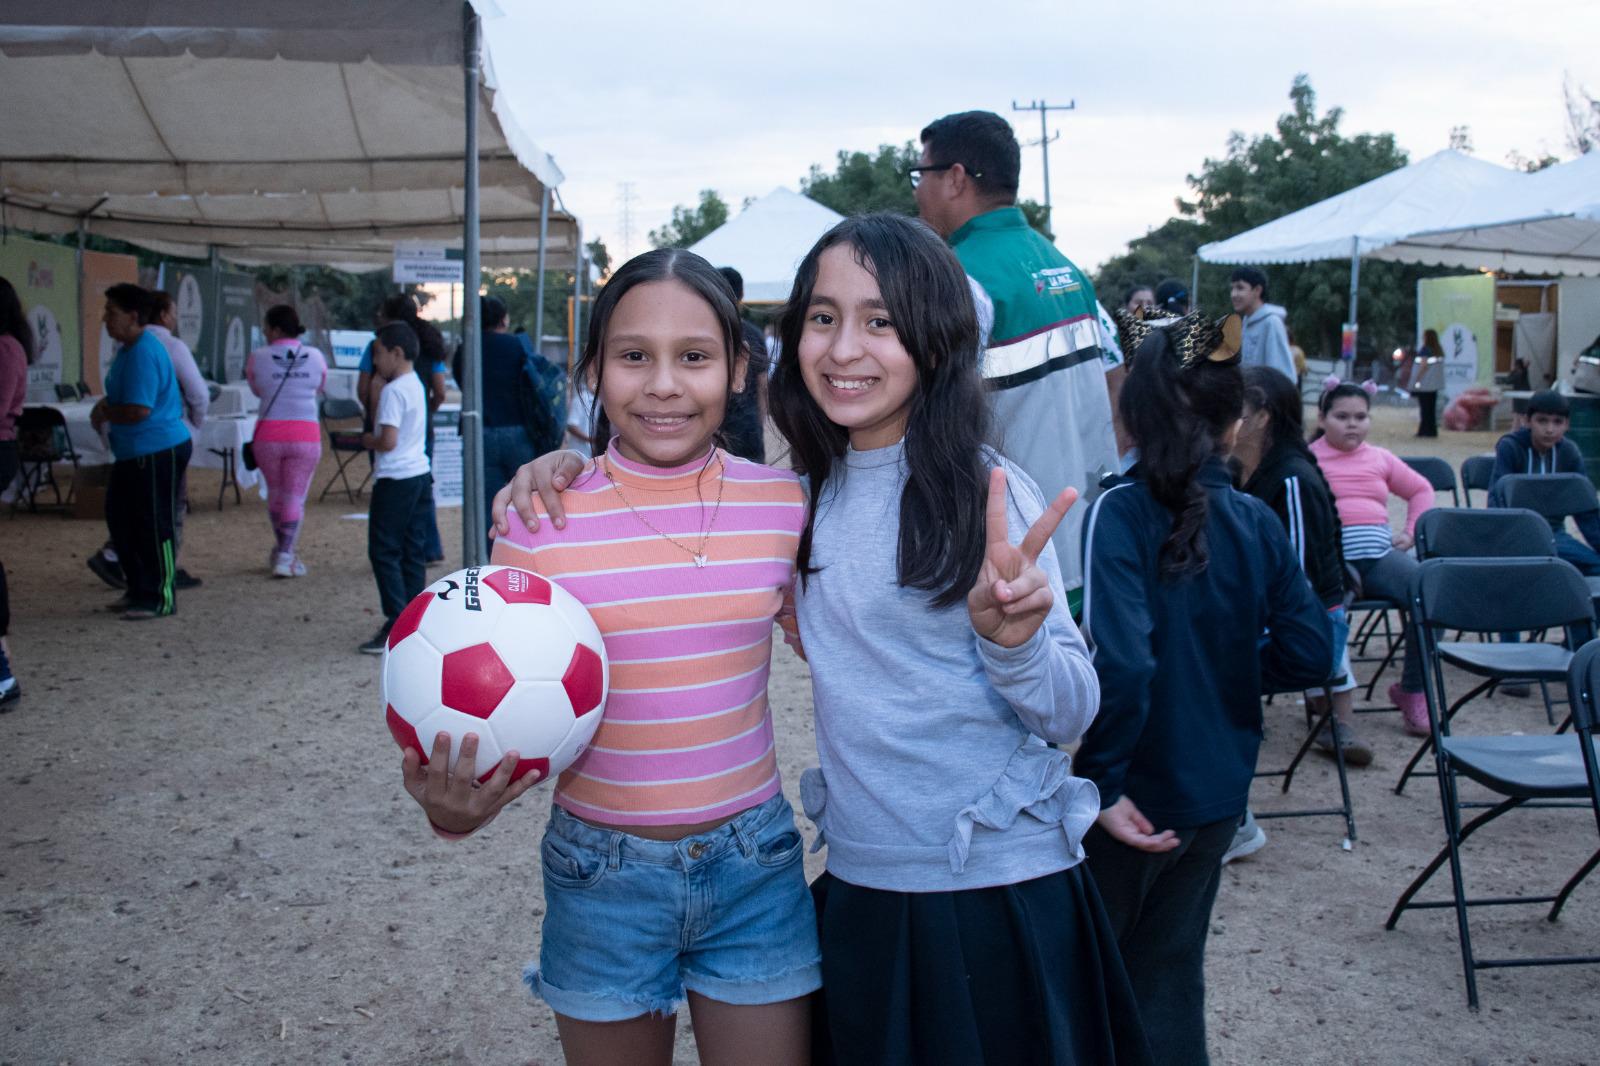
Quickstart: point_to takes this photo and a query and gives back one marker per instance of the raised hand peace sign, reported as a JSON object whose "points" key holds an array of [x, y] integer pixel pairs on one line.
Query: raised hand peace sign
{"points": [[1008, 603]]}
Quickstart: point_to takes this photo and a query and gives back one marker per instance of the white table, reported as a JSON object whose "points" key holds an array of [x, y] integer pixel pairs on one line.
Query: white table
{"points": [[217, 445], [341, 385], [92, 446], [235, 398]]}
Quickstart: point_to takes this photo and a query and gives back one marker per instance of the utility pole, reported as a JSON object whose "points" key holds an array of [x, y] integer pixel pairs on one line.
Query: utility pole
{"points": [[1044, 140], [625, 197]]}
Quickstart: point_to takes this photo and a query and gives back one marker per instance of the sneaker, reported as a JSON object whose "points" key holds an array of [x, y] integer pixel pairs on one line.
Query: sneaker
{"points": [[1356, 752], [10, 695], [1248, 839], [297, 568], [1413, 708], [121, 604], [107, 571], [185, 580], [376, 645], [141, 614], [283, 565]]}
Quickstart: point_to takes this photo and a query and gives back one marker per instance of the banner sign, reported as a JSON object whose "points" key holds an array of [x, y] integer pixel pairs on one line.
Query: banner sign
{"points": [[425, 262], [101, 270], [1461, 310], [447, 459], [238, 313], [46, 279]]}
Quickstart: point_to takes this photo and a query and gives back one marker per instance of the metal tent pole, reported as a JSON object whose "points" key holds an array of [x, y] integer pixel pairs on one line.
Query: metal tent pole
{"points": [[538, 298], [473, 519], [1355, 293]]}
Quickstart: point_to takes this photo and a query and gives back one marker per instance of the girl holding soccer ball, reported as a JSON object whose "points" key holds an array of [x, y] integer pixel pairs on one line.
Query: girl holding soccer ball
{"points": [[957, 922], [672, 866]]}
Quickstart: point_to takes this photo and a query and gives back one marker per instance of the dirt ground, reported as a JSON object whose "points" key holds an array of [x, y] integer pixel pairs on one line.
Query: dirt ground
{"points": [[206, 854]]}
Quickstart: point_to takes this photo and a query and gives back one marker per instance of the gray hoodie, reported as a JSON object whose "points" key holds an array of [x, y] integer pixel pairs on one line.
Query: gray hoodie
{"points": [[1266, 341]]}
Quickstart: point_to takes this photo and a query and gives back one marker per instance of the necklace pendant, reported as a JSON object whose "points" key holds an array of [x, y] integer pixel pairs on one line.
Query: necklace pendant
{"points": [[699, 559]]}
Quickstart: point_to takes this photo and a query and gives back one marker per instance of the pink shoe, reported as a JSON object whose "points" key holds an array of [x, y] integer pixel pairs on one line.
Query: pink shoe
{"points": [[1413, 708]]}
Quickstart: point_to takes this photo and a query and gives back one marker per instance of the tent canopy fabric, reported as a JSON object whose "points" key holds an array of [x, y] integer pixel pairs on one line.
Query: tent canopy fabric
{"points": [[297, 131], [1549, 224], [1374, 219], [767, 241]]}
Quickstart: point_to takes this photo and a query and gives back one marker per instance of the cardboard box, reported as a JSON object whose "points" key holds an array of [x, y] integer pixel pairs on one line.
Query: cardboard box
{"points": [[89, 492]]}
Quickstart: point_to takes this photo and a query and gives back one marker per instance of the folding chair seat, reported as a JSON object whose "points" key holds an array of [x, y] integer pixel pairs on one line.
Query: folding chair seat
{"points": [[1484, 602], [1438, 472], [344, 443], [1522, 769], [1476, 473]]}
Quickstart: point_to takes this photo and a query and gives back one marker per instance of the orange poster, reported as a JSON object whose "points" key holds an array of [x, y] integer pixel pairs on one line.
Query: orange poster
{"points": [[101, 270]]}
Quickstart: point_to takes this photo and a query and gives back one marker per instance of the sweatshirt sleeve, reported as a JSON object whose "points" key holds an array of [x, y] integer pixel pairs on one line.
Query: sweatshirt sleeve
{"points": [[1276, 352], [1505, 462], [1299, 647], [1119, 626], [1410, 486], [1048, 680]]}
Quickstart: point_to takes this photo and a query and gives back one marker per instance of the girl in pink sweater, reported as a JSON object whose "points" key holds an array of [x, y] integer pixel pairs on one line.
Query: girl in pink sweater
{"points": [[1362, 477]]}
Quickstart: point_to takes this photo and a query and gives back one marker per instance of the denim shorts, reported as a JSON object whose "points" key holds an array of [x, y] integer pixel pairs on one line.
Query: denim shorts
{"points": [[630, 923]]}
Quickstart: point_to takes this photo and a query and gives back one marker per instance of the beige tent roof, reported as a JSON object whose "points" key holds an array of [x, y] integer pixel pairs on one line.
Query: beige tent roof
{"points": [[295, 131]]}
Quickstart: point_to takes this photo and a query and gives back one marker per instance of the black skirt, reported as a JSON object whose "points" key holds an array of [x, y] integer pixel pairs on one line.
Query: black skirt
{"points": [[1017, 974]]}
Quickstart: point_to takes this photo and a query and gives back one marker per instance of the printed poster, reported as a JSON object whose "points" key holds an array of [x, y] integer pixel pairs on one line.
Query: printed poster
{"points": [[46, 279], [101, 270], [238, 313], [1461, 310]]}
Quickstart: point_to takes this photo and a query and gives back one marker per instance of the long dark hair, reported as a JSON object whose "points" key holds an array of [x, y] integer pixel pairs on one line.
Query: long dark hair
{"points": [[1269, 390], [402, 307], [925, 291], [1178, 418], [662, 264], [14, 320]]}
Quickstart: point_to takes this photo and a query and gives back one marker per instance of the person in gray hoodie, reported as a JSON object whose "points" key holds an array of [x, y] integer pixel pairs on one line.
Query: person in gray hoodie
{"points": [[1266, 339]]}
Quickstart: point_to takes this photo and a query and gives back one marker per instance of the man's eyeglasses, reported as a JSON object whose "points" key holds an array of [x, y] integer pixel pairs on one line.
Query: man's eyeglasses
{"points": [[914, 174]]}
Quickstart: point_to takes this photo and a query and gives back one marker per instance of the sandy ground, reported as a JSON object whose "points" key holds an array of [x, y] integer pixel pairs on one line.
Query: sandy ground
{"points": [[206, 854]]}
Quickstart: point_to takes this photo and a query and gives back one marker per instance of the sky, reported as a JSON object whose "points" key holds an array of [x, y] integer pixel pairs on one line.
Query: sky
{"points": [[673, 98]]}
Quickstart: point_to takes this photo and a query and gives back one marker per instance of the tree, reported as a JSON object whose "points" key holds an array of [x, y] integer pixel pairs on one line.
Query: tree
{"points": [[1304, 160], [689, 224], [600, 256], [1583, 117], [861, 183]]}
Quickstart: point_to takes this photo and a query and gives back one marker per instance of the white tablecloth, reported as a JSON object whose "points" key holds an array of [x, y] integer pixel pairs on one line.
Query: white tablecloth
{"points": [[234, 399], [92, 447], [341, 385], [220, 434]]}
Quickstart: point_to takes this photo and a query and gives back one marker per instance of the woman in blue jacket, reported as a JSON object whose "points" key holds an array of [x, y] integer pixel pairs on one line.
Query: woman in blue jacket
{"points": [[1194, 604]]}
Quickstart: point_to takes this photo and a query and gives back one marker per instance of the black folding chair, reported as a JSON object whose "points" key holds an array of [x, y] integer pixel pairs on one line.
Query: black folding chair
{"points": [[1556, 497], [344, 443], [1522, 769], [1476, 473], [1486, 599], [1438, 472], [1497, 533], [42, 442], [1316, 723]]}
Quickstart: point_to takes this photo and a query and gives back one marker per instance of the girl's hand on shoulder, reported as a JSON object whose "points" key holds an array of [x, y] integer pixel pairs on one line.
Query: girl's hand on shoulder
{"points": [[1009, 602], [454, 801], [1402, 541], [1128, 825], [547, 475]]}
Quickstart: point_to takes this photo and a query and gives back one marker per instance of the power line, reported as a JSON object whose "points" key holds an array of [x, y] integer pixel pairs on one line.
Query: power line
{"points": [[1045, 137]]}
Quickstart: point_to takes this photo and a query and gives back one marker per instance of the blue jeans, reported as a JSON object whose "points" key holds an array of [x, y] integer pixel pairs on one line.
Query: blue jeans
{"points": [[505, 448], [1577, 553], [631, 923]]}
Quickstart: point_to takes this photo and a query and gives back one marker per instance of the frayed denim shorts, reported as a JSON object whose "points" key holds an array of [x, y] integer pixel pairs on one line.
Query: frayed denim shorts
{"points": [[631, 924]]}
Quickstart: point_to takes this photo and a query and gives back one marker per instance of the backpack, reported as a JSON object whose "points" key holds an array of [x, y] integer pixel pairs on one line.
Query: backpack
{"points": [[542, 402]]}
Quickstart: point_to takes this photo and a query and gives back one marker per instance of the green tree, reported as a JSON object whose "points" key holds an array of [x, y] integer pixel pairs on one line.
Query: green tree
{"points": [[689, 224], [600, 256], [863, 182], [1305, 159]]}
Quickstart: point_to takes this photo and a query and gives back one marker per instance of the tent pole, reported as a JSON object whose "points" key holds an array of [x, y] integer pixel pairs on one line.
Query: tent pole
{"points": [[83, 334], [538, 297], [1194, 284], [578, 280], [473, 519], [1355, 292]]}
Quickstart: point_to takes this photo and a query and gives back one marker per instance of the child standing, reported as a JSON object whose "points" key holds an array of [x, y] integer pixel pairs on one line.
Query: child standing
{"points": [[1362, 477], [1194, 604], [397, 524], [671, 833]]}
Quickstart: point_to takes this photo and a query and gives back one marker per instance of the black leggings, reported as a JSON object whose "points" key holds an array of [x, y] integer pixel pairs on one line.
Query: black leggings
{"points": [[141, 512]]}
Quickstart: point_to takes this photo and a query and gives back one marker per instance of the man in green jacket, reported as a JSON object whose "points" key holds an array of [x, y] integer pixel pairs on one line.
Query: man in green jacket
{"points": [[1044, 345]]}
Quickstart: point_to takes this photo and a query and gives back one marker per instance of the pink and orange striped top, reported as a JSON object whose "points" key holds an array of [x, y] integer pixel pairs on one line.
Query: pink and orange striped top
{"points": [[687, 735]]}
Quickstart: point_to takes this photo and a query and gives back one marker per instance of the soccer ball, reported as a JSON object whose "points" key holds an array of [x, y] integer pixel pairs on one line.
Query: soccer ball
{"points": [[502, 653]]}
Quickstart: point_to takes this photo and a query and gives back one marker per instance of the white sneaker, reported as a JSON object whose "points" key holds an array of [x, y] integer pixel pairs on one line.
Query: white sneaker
{"points": [[298, 569], [283, 565], [1247, 840]]}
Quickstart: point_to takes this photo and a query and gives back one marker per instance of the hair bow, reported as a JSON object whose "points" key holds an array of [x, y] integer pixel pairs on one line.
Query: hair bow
{"points": [[1194, 338]]}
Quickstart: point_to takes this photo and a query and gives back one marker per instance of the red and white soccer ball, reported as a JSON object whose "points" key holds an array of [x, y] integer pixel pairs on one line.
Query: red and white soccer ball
{"points": [[502, 653]]}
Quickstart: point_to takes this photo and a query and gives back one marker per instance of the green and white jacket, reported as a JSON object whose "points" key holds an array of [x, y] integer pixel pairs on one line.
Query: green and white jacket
{"points": [[1044, 364]]}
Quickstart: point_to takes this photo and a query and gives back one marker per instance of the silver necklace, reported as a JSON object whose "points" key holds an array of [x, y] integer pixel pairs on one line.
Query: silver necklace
{"points": [[697, 554]]}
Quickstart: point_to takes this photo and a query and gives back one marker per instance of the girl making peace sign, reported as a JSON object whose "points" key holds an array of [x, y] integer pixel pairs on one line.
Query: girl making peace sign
{"points": [[956, 922]]}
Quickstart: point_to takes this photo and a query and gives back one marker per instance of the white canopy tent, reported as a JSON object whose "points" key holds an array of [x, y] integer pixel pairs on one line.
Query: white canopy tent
{"points": [[767, 241], [295, 131], [1549, 223], [298, 132], [1375, 219]]}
